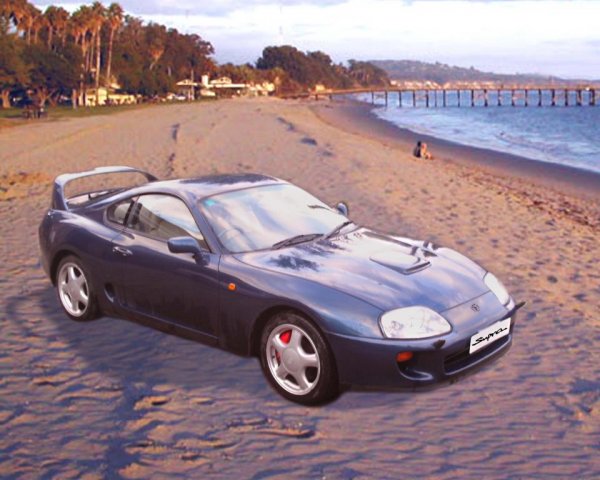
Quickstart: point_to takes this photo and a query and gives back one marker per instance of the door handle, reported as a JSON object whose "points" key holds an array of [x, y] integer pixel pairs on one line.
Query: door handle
{"points": [[122, 251]]}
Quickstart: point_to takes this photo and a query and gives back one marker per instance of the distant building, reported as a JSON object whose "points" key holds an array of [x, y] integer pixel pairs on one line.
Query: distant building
{"points": [[107, 96], [187, 88], [210, 88], [206, 92], [261, 89], [227, 83]]}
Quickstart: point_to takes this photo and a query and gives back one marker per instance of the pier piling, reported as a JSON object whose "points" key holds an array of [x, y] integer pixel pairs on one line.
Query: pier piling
{"points": [[539, 97]]}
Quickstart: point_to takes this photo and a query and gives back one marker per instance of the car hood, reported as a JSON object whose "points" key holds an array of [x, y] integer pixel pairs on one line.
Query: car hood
{"points": [[387, 272]]}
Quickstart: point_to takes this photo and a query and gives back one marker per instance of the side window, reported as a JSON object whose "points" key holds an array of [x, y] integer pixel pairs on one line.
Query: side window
{"points": [[163, 217], [117, 213]]}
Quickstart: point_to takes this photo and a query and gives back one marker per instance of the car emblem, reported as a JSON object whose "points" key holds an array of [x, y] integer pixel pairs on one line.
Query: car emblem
{"points": [[475, 307]]}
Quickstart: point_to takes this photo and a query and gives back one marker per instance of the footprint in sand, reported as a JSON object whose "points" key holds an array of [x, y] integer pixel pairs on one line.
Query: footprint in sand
{"points": [[175, 131], [309, 141]]}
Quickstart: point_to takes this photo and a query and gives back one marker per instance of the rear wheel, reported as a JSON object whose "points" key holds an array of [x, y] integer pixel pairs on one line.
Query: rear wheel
{"points": [[74, 290], [297, 361]]}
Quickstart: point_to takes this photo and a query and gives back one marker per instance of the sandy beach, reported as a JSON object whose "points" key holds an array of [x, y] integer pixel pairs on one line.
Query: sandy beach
{"points": [[113, 399]]}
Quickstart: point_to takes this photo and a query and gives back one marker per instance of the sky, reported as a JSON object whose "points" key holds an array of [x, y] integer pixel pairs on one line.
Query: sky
{"points": [[506, 36]]}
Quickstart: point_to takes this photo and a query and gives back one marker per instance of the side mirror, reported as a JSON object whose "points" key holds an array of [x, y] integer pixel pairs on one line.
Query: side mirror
{"points": [[342, 207], [185, 245]]}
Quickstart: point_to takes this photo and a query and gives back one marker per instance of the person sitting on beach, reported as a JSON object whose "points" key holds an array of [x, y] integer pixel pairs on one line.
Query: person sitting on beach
{"points": [[421, 151]]}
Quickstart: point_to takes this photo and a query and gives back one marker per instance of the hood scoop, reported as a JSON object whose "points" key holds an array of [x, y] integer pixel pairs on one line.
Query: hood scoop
{"points": [[400, 262]]}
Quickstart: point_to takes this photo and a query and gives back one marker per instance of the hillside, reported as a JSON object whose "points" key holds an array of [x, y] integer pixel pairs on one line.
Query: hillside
{"points": [[441, 73]]}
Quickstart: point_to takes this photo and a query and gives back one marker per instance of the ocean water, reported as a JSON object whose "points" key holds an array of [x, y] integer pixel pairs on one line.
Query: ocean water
{"points": [[563, 135]]}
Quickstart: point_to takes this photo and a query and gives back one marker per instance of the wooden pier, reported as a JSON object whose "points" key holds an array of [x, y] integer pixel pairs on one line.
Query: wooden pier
{"points": [[462, 96]]}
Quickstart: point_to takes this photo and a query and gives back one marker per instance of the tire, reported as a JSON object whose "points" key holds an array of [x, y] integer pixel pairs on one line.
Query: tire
{"points": [[297, 361], [75, 291]]}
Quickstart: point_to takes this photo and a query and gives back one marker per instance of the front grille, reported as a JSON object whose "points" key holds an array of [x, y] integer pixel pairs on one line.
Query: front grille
{"points": [[460, 360]]}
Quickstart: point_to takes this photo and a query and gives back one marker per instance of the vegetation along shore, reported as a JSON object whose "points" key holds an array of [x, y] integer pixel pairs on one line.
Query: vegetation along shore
{"points": [[101, 55]]}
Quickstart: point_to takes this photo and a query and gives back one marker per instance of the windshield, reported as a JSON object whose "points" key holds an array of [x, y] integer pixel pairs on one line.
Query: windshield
{"points": [[260, 217]]}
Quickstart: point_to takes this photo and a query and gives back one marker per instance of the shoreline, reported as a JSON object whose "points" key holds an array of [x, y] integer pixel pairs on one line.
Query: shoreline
{"points": [[359, 118]]}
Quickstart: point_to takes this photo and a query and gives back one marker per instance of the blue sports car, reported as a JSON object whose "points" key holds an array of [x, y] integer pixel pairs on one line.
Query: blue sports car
{"points": [[260, 267]]}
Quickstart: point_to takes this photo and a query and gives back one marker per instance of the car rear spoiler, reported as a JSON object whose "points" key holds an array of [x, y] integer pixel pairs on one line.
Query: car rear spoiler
{"points": [[59, 201]]}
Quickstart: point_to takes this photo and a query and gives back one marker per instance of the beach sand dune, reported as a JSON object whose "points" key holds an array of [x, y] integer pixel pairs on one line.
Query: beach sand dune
{"points": [[111, 398]]}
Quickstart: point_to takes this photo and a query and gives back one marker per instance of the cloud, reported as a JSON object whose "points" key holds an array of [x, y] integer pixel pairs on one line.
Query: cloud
{"points": [[500, 35], [209, 8]]}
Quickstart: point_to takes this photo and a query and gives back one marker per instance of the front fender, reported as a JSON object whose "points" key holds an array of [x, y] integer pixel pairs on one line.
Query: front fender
{"points": [[258, 291]]}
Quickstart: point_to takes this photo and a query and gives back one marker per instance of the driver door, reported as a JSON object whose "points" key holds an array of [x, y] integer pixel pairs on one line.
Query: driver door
{"points": [[152, 281]]}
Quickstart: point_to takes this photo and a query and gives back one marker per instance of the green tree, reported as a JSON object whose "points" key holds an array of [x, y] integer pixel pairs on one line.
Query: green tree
{"points": [[30, 19], [15, 12], [52, 73], [80, 28], [303, 70], [13, 70], [295, 63], [114, 21], [147, 59], [367, 74], [97, 19], [155, 41], [57, 19]]}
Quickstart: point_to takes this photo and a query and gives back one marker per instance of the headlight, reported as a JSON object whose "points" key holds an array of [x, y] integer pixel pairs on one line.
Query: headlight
{"points": [[497, 288], [413, 323]]}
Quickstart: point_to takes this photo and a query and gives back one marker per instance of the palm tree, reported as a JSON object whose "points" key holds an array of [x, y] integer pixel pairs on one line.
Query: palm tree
{"points": [[15, 11], [57, 18], [115, 20], [40, 22], [30, 15], [156, 37], [6, 15], [97, 20], [80, 28], [26, 20]]}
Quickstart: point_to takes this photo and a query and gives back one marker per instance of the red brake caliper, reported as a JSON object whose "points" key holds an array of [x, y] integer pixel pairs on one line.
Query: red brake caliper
{"points": [[285, 338]]}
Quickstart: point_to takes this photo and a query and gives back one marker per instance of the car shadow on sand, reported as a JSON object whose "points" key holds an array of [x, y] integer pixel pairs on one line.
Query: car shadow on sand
{"points": [[124, 352]]}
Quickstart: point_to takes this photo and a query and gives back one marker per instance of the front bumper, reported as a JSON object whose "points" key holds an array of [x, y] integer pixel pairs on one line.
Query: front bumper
{"points": [[371, 363]]}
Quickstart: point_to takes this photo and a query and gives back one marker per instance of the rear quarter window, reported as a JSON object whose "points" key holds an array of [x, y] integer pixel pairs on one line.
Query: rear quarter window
{"points": [[118, 212]]}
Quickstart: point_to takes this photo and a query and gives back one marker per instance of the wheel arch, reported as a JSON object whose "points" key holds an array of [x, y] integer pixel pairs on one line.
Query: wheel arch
{"points": [[58, 257], [259, 325], [269, 313]]}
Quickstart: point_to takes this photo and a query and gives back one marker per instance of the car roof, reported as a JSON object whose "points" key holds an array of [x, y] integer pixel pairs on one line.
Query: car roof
{"points": [[191, 189], [206, 186]]}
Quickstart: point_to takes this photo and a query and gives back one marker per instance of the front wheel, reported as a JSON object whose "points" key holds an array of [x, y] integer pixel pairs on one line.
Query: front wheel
{"points": [[297, 361], [74, 290]]}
